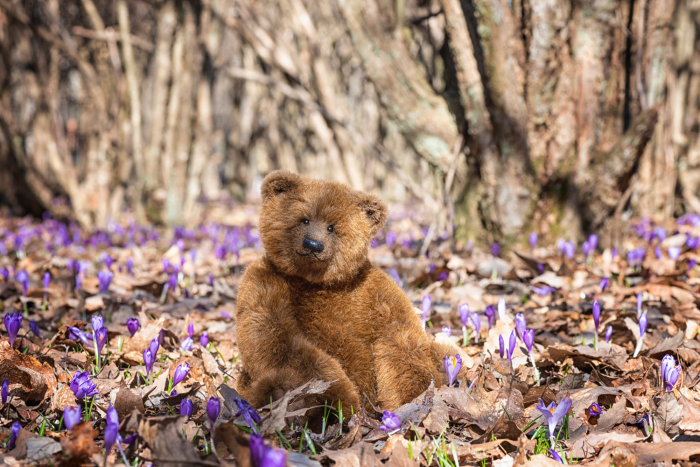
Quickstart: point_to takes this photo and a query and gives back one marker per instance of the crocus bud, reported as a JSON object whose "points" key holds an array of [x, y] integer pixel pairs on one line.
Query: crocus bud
{"points": [[533, 240], [520, 325], [186, 407], [71, 417], [464, 313], [608, 333], [446, 330], [204, 339], [13, 323], [213, 408], [180, 373], [46, 280], [132, 324]]}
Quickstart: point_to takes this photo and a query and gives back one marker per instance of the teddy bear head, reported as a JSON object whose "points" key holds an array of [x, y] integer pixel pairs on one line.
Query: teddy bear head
{"points": [[317, 230]]}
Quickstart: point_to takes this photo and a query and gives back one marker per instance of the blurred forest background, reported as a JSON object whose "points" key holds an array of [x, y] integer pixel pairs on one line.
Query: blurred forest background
{"points": [[495, 116]]}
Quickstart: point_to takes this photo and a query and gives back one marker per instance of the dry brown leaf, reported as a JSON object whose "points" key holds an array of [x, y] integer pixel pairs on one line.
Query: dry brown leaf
{"points": [[29, 379], [62, 398]]}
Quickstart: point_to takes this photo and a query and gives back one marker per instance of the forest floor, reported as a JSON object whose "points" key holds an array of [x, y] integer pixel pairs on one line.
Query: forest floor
{"points": [[127, 336]]}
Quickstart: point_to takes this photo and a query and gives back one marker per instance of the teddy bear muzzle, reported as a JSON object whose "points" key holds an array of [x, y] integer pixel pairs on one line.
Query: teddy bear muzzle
{"points": [[313, 246]]}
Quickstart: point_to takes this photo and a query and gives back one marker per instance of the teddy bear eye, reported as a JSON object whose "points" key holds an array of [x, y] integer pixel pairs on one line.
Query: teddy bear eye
{"points": [[330, 229], [305, 222]]}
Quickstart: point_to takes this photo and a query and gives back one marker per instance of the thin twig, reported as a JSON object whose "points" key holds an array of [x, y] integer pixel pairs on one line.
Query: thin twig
{"points": [[111, 35]]}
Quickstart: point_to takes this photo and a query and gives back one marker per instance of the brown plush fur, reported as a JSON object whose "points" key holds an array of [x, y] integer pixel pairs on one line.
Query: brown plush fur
{"points": [[328, 315]]}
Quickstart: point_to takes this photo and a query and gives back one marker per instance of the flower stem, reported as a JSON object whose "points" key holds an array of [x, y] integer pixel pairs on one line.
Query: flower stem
{"points": [[537, 372], [595, 340], [639, 346]]}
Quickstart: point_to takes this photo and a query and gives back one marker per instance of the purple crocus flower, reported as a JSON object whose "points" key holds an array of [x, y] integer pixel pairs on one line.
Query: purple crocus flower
{"points": [[543, 291], [5, 274], [512, 341], [443, 276], [476, 320], [529, 339], [82, 386], [204, 339], [608, 333], [569, 250], [604, 284], [249, 414], [596, 315], [391, 423], [112, 430], [501, 346], [556, 456], [520, 325], [533, 240], [13, 435], [642, 324], [104, 278], [674, 252], [71, 417], [594, 410], [263, 456], [166, 265], [180, 373], [561, 244], [35, 329], [425, 305], [186, 344], [660, 233], [23, 278], [464, 313], [692, 242], [76, 334], [46, 280], [5, 391], [172, 282], [78, 282], [13, 323], [613, 253], [133, 324], [490, 313], [691, 264], [586, 248], [186, 407], [495, 248], [129, 265], [190, 329], [97, 322], [452, 367], [657, 252], [446, 330], [390, 238], [554, 413], [148, 361], [669, 372], [213, 408], [100, 338], [644, 422], [593, 242]]}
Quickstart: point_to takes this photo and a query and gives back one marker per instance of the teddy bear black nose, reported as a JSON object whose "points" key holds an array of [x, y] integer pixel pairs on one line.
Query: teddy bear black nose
{"points": [[313, 245]]}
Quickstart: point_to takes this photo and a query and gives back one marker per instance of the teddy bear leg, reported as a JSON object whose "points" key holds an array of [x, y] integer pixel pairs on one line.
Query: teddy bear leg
{"points": [[403, 367], [303, 362]]}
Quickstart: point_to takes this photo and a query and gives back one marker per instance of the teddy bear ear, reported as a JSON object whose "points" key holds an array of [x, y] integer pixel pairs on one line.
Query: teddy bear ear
{"points": [[279, 182], [375, 210]]}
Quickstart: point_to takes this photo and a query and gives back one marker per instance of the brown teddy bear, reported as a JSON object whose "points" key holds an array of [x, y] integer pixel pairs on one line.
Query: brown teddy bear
{"points": [[315, 308]]}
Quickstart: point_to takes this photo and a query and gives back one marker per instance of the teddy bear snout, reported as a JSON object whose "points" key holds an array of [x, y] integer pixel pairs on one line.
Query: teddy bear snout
{"points": [[313, 245]]}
